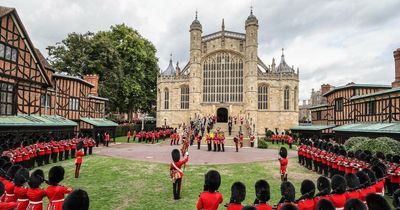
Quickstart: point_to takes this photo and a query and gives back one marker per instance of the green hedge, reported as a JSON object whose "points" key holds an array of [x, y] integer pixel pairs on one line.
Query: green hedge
{"points": [[393, 144], [381, 144], [353, 141], [262, 144], [123, 130]]}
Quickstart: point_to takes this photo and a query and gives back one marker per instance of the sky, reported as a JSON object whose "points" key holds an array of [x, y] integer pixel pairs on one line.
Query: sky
{"points": [[331, 41]]}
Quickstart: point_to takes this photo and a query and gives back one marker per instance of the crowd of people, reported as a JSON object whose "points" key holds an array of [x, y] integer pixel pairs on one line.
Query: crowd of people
{"points": [[149, 136]]}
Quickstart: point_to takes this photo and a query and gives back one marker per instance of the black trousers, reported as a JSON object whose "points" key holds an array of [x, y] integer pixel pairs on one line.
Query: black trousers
{"points": [[60, 156], [54, 156], [39, 160], [46, 158], [198, 145], [85, 150], [388, 187], [223, 147], [176, 188], [107, 143], [215, 147], [237, 146], [66, 155], [90, 150], [252, 144], [77, 168], [128, 139], [209, 146], [219, 147], [73, 153]]}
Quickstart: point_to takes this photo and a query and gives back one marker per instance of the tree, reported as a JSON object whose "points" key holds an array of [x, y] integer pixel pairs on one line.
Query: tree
{"points": [[125, 62]]}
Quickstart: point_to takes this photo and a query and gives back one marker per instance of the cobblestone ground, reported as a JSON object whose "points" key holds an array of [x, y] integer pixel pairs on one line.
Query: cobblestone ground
{"points": [[161, 153]]}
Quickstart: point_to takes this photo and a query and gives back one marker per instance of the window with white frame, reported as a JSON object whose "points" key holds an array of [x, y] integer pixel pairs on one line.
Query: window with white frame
{"points": [[286, 97], [262, 97], [166, 98], [74, 104], [185, 97]]}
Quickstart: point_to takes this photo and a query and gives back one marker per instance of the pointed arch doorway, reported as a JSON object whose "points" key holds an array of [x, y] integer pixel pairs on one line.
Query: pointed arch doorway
{"points": [[222, 114]]}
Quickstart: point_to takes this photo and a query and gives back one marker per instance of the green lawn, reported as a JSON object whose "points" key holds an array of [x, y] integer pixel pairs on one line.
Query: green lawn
{"points": [[114, 183]]}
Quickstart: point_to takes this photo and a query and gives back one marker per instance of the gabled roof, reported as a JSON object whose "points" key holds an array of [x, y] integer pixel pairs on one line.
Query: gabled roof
{"points": [[5, 11], [354, 85], [67, 76], [43, 60]]}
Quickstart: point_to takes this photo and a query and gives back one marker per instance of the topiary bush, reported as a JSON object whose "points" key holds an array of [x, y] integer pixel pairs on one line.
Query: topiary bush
{"points": [[268, 133], [393, 144], [262, 144], [373, 145], [353, 141]]}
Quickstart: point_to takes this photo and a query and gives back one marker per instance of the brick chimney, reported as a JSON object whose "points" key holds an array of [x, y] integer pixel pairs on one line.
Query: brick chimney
{"points": [[396, 55], [325, 88], [94, 80]]}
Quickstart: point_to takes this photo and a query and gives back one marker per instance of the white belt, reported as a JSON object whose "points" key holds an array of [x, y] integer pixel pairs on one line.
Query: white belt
{"points": [[22, 200], [55, 201], [10, 195], [339, 208], [35, 202]]}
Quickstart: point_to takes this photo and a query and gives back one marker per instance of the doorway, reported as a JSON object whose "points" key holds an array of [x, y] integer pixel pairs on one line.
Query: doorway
{"points": [[222, 115]]}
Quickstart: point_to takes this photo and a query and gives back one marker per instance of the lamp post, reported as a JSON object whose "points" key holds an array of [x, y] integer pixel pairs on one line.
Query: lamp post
{"points": [[143, 118]]}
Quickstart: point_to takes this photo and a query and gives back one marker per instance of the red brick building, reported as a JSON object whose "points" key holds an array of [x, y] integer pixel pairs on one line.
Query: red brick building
{"points": [[36, 100], [358, 110]]}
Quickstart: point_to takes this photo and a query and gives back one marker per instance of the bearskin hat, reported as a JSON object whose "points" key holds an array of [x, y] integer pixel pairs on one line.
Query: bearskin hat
{"points": [[76, 200], [263, 193], [307, 188], [323, 186], [364, 178], [380, 155], [369, 153], [362, 156], [375, 201], [371, 175], [4, 169], [354, 204], [283, 152], [79, 145], [2, 162], [289, 206], [338, 184], [396, 159], [336, 149], [35, 181], [176, 155], [357, 153], [12, 171], [21, 177], [325, 204], [396, 198], [56, 175], [238, 192], [389, 157], [288, 191], [213, 180], [6, 158], [352, 181], [343, 152], [350, 154]]}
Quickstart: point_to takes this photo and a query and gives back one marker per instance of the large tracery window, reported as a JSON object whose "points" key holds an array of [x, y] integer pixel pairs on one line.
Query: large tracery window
{"points": [[185, 97], [286, 99], [262, 97], [223, 78], [166, 98]]}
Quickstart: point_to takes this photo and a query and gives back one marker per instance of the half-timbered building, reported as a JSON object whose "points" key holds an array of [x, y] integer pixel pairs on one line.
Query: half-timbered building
{"points": [[36, 101], [358, 110]]}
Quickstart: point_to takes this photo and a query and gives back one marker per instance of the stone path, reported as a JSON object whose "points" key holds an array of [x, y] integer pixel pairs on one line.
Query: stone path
{"points": [[161, 153]]}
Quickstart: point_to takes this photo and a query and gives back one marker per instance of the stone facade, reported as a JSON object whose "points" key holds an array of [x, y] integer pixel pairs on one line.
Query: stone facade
{"points": [[225, 77]]}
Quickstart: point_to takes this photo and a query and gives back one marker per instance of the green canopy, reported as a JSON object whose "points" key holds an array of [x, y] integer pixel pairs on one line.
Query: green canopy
{"points": [[99, 122], [35, 120], [312, 127], [369, 128]]}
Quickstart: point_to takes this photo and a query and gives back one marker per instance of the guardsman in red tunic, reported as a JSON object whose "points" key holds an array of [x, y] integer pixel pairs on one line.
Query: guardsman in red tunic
{"points": [[353, 183], [146, 137], [47, 152], [25, 156], [306, 201], [289, 141], [176, 172], [77, 199], [67, 149], [338, 197], [172, 139], [9, 184], [107, 138], [73, 147], [90, 145], [128, 136], [324, 188], [34, 193], [56, 192], [238, 194], [222, 141], [85, 145], [79, 159], [282, 138], [208, 140], [241, 140], [61, 150], [20, 191], [283, 161], [4, 205], [288, 194], [134, 135], [198, 140], [54, 151], [252, 138], [262, 195], [210, 198], [41, 153]]}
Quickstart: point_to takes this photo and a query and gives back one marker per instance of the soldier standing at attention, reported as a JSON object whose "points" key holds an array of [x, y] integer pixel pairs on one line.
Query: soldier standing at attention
{"points": [[129, 136], [283, 161]]}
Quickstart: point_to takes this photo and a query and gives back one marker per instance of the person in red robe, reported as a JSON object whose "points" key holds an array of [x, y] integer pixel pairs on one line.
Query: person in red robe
{"points": [[210, 198], [262, 195], [283, 161], [9, 184], [56, 192], [20, 191], [6, 205], [238, 194], [176, 172], [34, 193], [79, 159]]}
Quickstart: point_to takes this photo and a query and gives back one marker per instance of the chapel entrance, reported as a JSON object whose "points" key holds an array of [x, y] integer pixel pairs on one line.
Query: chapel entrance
{"points": [[222, 115]]}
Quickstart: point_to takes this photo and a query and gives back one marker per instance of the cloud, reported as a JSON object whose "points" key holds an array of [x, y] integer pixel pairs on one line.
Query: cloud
{"points": [[334, 42]]}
